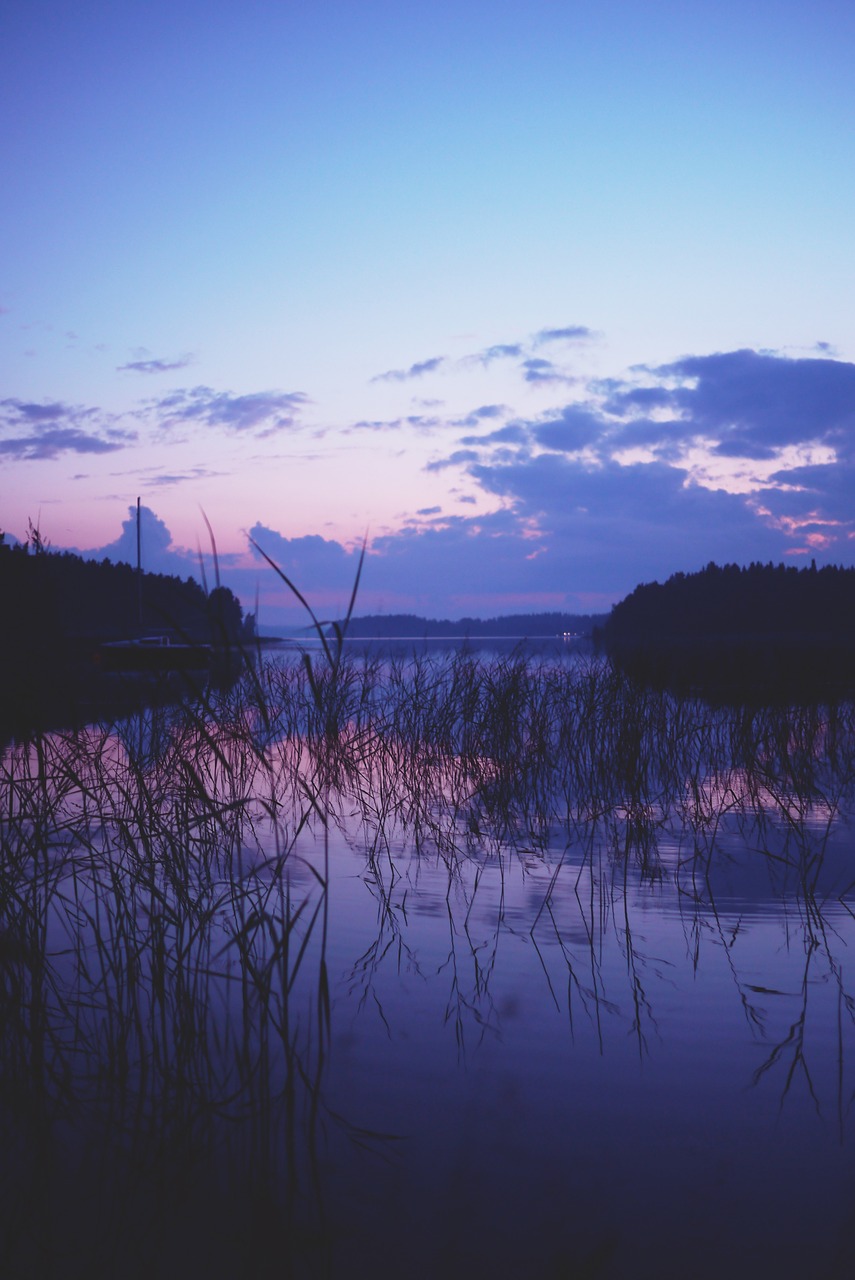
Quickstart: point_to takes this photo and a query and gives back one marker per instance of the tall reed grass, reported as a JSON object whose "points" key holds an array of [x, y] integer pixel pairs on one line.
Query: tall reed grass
{"points": [[164, 912]]}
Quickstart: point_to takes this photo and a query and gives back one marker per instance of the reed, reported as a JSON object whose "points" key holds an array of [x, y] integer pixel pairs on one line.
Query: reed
{"points": [[164, 907]]}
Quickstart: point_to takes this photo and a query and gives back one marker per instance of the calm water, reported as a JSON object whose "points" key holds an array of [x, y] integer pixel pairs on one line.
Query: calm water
{"points": [[582, 1004]]}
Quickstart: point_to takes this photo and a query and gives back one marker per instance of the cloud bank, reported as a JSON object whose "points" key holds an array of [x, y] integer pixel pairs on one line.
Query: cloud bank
{"points": [[260, 413], [39, 432], [734, 457]]}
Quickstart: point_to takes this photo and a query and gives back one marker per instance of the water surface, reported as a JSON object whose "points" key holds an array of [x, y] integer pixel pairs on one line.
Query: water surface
{"points": [[486, 965]]}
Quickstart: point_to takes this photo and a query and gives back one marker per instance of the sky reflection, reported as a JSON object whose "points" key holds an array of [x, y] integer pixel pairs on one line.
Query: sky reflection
{"points": [[566, 988]]}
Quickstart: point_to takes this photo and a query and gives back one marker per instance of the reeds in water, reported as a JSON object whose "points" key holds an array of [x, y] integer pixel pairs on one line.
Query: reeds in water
{"points": [[164, 895]]}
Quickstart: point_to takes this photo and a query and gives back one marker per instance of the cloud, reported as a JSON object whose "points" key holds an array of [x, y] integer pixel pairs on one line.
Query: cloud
{"points": [[565, 535], [458, 458], [321, 568], [755, 397], [516, 350], [168, 480], [616, 524], [538, 371], [572, 333], [417, 370], [735, 456], [499, 351], [159, 555], [31, 431], [418, 420], [51, 443], [744, 447], [261, 413], [487, 412], [25, 412], [512, 433], [535, 370], [817, 493], [154, 366], [573, 429]]}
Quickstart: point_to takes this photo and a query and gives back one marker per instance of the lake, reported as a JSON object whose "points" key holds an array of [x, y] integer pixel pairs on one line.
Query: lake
{"points": [[456, 963]]}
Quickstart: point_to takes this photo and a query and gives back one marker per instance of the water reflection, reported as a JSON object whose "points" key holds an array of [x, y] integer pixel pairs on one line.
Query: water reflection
{"points": [[297, 977]]}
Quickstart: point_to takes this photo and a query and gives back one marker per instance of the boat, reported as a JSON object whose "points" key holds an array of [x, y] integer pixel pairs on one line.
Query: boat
{"points": [[152, 653]]}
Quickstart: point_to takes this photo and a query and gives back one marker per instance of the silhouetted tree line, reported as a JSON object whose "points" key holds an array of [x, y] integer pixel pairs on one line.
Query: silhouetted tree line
{"points": [[773, 628], [533, 625], [59, 595], [57, 607]]}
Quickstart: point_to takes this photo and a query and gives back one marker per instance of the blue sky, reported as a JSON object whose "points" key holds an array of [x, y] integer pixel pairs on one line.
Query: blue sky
{"points": [[547, 299]]}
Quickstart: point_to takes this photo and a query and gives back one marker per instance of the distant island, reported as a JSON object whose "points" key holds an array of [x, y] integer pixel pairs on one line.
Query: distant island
{"points": [[532, 626], [765, 628]]}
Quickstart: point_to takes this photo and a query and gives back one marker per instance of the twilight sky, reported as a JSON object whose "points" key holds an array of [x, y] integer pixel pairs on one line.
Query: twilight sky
{"points": [[547, 299]]}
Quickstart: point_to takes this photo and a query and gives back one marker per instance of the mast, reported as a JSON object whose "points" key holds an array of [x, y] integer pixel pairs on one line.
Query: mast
{"points": [[139, 569]]}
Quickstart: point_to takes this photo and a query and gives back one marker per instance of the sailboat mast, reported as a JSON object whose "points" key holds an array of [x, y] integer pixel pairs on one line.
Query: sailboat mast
{"points": [[139, 569]]}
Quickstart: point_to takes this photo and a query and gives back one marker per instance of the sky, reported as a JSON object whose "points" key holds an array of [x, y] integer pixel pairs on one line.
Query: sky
{"points": [[537, 301]]}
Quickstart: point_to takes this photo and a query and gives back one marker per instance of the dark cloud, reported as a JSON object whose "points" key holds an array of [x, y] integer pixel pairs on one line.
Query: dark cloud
{"points": [[154, 366], [744, 447], [621, 402], [261, 413], [764, 399], [826, 493], [749, 406], [621, 525], [667, 438], [417, 370], [571, 430], [464, 562], [30, 431]]}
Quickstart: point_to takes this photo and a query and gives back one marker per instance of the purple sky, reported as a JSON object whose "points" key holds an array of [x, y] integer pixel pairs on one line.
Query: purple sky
{"points": [[547, 300]]}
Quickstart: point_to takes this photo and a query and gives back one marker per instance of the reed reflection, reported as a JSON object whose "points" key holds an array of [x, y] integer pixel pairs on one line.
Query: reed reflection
{"points": [[171, 979]]}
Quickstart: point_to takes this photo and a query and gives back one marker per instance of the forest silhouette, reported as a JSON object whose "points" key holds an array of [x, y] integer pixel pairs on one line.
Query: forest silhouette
{"points": [[764, 629], [59, 607]]}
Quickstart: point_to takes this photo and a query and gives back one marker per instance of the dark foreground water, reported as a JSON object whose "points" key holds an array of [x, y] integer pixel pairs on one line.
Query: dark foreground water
{"points": [[501, 969]]}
